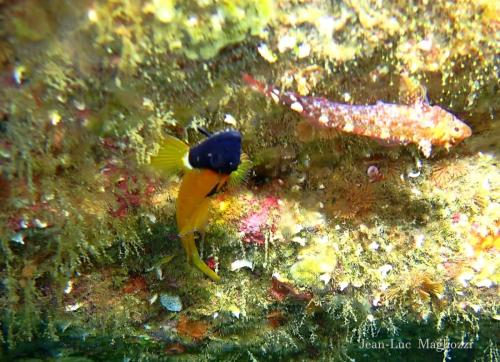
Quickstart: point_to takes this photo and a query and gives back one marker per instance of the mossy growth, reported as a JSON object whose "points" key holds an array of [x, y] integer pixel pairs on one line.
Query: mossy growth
{"points": [[195, 29], [318, 256]]}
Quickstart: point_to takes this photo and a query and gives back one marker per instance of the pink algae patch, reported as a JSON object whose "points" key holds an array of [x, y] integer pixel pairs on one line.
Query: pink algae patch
{"points": [[260, 220]]}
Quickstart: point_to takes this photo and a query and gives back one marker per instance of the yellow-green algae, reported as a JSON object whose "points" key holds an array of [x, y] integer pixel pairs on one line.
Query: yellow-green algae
{"points": [[89, 89]]}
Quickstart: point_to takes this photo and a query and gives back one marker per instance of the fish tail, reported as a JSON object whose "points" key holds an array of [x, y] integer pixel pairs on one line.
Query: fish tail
{"points": [[255, 84], [197, 262], [172, 156], [194, 257], [267, 90]]}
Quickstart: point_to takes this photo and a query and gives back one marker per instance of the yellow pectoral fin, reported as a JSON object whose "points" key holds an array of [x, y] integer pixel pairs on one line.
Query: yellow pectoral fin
{"points": [[186, 230]]}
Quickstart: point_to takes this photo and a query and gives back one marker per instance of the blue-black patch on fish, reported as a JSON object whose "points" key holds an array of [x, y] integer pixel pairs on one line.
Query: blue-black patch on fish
{"points": [[220, 152]]}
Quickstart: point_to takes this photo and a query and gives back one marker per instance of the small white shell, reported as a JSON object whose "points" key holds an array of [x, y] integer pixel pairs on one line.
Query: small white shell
{"points": [[343, 285], [229, 119], [39, 224], [297, 107], [325, 278], [18, 238], [242, 263], [153, 299], [384, 270], [304, 50], [266, 53], [73, 307], [69, 287], [299, 240], [485, 283]]}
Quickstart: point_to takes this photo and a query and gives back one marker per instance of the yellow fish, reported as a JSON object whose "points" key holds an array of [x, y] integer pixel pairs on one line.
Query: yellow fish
{"points": [[206, 168]]}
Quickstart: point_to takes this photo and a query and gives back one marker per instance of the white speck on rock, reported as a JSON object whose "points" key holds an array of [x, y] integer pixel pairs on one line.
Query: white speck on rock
{"points": [[419, 240], [229, 119], [73, 307], [242, 263], [18, 238], [484, 283], [286, 42], [384, 270], [343, 285]]}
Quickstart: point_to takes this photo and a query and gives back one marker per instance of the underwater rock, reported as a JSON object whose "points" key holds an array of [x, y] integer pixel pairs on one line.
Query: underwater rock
{"points": [[315, 265], [88, 90], [135, 284], [281, 290], [171, 303], [174, 349], [192, 328], [260, 220], [30, 20]]}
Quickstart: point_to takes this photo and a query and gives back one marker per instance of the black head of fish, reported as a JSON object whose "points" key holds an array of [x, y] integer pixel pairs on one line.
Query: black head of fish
{"points": [[220, 152]]}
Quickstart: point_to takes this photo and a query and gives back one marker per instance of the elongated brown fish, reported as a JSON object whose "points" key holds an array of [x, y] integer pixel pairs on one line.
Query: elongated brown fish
{"points": [[396, 124]]}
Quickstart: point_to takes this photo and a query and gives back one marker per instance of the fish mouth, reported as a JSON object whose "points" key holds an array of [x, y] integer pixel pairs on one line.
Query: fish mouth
{"points": [[460, 139], [455, 141], [467, 131]]}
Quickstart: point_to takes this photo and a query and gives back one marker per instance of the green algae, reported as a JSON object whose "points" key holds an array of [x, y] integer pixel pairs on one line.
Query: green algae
{"points": [[391, 260], [195, 29], [316, 263]]}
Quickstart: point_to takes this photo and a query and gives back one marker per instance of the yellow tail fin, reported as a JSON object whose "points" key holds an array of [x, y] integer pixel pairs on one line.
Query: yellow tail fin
{"points": [[172, 157]]}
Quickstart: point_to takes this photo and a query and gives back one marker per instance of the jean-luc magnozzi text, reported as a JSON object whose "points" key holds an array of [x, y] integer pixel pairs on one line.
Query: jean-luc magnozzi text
{"points": [[439, 345]]}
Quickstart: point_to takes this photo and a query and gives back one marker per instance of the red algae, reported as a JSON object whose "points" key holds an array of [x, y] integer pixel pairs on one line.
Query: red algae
{"points": [[281, 290], [126, 189], [257, 222], [135, 284]]}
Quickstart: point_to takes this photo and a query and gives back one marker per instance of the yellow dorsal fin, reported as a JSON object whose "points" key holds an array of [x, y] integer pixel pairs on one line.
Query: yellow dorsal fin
{"points": [[241, 174], [172, 157]]}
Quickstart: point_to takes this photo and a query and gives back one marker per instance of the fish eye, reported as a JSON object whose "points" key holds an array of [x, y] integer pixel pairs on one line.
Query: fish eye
{"points": [[456, 129]]}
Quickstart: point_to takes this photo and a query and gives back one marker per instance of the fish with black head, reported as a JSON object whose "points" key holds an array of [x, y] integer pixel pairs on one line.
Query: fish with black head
{"points": [[207, 167]]}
